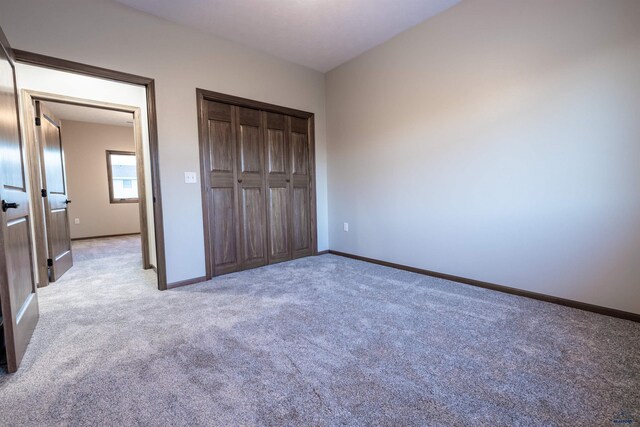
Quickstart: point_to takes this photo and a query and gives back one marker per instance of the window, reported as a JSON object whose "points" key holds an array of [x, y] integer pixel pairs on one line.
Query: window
{"points": [[123, 180]]}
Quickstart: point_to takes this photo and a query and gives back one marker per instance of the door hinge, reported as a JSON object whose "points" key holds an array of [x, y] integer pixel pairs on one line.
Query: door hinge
{"points": [[38, 122], [43, 192], [49, 262]]}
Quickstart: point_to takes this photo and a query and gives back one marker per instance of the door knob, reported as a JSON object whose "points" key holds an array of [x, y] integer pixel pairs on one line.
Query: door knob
{"points": [[66, 202], [239, 181], [6, 206], [288, 180]]}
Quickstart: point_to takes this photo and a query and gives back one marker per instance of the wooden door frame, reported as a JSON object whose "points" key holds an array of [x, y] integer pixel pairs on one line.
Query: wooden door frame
{"points": [[36, 170], [203, 95], [149, 85]]}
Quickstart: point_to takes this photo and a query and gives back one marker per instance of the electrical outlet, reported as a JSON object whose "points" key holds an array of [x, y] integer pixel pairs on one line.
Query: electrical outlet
{"points": [[190, 178], [345, 227], [76, 221]]}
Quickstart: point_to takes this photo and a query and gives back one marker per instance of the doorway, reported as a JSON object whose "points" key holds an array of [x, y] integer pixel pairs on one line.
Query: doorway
{"points": [[47, 75], [87, 165]]}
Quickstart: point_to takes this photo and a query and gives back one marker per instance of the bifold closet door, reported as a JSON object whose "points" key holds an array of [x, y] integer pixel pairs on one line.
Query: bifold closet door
{"points": [[223, 196], [278, 186], [259, 192], [300, 187], [251, 186]]}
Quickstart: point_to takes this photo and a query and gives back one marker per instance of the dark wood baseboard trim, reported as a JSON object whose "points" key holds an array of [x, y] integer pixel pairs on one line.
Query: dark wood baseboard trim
{"points": [[105, 236], [186, 282], [500, 288], [323, 252]]}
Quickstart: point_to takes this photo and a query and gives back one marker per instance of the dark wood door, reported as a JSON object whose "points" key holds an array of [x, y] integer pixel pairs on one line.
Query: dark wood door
{"points": [[300, 187], [251, 186], [257, 164], [18, 297], [223, 195], [277, 172], [55, 192]]}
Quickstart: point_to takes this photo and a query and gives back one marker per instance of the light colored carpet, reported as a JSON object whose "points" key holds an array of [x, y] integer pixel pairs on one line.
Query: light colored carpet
{"points": [[316, 341]]}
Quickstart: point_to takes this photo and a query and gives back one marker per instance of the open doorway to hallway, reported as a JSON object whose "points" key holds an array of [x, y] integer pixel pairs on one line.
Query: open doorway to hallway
{"points": [[74, 84], [87, 162], [102, 182]]}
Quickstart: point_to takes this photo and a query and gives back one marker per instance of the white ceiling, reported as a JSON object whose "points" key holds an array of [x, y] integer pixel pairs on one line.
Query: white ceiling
{"points": [[90, 115], [320, 34]]}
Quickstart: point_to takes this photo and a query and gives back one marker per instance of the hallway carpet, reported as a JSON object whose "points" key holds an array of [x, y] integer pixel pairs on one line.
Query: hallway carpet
{"points": [[317, 341]]}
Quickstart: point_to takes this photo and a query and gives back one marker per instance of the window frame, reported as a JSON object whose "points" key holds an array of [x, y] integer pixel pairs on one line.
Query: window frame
{"points": [[112, 199]]}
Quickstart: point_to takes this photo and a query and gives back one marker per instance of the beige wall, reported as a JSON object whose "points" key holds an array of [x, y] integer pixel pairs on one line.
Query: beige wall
{"points": [[498, 141], [107, 34], [85, 146]]}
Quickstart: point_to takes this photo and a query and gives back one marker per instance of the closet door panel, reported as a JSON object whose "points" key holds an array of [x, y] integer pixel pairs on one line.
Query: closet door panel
{"points": [[221, 146], [300, 153], [301, 187], [250, 158], [223, 209], [299, 148], [253, 217], [252, 225], [278, 186], [276, 154], [224, 228], [301, 223], [279, 223]]}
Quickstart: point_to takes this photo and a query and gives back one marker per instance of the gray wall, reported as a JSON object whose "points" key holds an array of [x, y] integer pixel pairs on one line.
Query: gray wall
{"points": [[107, 34], [85, 146], [498, 141]]}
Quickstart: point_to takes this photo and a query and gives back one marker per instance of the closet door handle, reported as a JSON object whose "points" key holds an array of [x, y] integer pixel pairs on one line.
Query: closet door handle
{"points": [[239, 181]]}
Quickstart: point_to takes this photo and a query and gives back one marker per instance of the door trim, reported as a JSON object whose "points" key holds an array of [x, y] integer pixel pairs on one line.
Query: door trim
{"points": [[36, 172], [149, 84], [203, 95]]}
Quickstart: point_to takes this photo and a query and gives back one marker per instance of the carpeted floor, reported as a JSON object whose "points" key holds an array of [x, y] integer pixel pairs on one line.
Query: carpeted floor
{"points": [[316, 341]]}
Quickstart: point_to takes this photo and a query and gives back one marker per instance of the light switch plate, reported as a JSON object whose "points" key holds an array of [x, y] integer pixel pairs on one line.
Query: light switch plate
{"points": [[190, 178], [77, 221], [345, 227]]}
